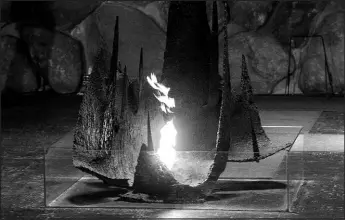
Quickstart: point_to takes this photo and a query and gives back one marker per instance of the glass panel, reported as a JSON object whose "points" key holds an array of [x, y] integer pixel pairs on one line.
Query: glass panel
{"points": [[59, 173], [295, 175], [264, 185]]}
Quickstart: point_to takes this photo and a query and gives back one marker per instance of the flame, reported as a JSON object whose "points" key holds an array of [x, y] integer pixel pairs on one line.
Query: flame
{"points": [[166, 151], [166, 101], [167, 142]]}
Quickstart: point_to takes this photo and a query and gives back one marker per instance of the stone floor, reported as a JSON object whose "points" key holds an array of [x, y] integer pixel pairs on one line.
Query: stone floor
{"points": [[30, 128]]}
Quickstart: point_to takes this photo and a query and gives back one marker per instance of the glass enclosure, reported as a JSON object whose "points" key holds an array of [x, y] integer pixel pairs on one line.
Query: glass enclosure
{"points": [[270, 184]]}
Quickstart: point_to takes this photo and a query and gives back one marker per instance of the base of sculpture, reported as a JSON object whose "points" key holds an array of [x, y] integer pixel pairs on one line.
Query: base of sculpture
{"points": [[272, 184], [231, 195]]}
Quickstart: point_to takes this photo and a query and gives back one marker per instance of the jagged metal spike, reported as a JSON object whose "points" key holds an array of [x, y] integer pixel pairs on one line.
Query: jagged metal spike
{"points": [[226, 65], [124, 92], [224, 137], [247, 93], [215, 19], [223, 134], [246, 87], [214, 77], [215, 44], [108, 119], [119, 66], [99, 74], [149, 135], [125, 70], [254, 141], [141, 72], [227, 12], [115, 52]]}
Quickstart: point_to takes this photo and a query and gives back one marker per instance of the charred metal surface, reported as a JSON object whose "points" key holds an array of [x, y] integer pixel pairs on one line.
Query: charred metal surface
{"points": [[223, 134], [109, 134], [115, 53], [110, 139], [151, 171], [151, 176], [214, 77], [149, 135], [136, 86], [186, 71], [247, 93]]}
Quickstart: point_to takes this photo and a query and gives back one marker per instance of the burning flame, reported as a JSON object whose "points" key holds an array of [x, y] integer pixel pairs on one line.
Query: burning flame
{"points": [[166, 101], [166, 151]]}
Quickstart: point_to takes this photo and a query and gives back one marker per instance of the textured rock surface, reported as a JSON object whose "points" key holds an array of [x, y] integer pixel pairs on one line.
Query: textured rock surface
{"points": [[59, 57], [66, 65], [64, 14], [89, 35], [267, 60], [312, 79], [8, 51], [157, 11], [240, 12], [250, 14], [149, 20], [267, 49], [22, 76]]}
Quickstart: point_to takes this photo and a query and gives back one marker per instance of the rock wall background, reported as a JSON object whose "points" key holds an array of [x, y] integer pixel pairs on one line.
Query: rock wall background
{"points": [[258, 29]]}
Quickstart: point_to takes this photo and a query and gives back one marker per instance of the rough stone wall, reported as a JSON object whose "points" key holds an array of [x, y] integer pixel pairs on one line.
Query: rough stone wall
{"points": [[267, 49], [258, 29], [261, 30]]}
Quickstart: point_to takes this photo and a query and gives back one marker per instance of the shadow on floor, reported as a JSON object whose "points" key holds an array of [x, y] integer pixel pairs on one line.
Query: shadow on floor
{"points": [[96, 197], [223, 190], [248, 185]]}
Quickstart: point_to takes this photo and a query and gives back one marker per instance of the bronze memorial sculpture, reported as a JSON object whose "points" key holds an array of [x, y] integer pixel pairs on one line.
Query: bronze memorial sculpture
{"points": [[167, 137]]}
